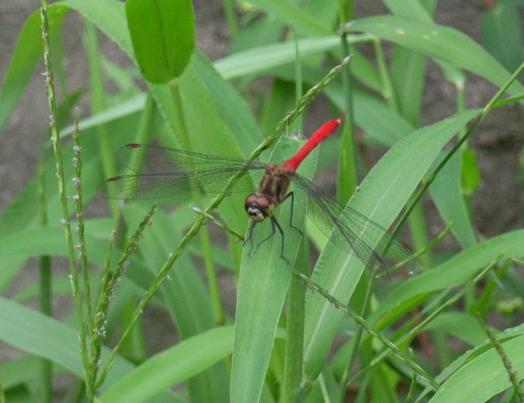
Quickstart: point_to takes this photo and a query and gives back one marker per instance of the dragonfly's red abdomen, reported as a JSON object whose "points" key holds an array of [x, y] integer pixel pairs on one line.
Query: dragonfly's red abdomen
{"points": [[316, 138]]}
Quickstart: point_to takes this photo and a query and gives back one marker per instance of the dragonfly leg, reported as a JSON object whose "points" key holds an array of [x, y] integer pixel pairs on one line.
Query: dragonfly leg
{"points": [[269, 236], [275, 223], [274, 226], [291, 195], [250, 237]]}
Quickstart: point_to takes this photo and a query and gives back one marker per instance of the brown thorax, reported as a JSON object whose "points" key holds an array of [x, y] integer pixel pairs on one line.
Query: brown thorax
{"points": [[272, 190]]}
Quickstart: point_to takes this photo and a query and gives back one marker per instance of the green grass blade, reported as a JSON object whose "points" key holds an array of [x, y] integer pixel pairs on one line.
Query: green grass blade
{"points": [[25, 57], [109, 17], [483, 376], [439, 42], [263, 284], [172, 366], [232, 107], [502, 36], [163, 36], [471, 261], [48, 240], [446, 191], [29, 330], [381, 197], [460, 325], [263, 58]]}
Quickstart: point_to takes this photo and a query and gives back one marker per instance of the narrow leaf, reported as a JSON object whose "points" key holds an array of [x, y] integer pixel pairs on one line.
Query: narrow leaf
{"points": [[25, 57], [172, 366], [381, 196], [439, 42], [163, 36]]}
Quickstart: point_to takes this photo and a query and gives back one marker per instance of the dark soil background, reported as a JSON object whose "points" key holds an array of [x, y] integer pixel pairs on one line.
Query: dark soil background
{"points": [[498, 204]]}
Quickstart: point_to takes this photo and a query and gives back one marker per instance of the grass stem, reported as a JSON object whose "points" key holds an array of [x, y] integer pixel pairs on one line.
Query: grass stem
{"points": [[55, 141]]}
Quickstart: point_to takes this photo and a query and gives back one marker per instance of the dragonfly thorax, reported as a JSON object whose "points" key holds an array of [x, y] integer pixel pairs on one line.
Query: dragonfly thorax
{"points": [[271, 192]]}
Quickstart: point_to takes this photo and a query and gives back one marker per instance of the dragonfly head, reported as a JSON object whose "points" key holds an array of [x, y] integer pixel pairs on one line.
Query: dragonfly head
{"points": [[258, 206]]}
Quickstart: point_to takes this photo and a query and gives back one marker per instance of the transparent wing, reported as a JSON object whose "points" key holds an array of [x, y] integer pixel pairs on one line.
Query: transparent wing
{"points": [[353, 230], [155, 172]]}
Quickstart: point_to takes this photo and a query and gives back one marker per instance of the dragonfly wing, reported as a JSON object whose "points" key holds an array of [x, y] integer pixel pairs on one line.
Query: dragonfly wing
{"points": [[145, 158], [350, 228], [154, 172]]}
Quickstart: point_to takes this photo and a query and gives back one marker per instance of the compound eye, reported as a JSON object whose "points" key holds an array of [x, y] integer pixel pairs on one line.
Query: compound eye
{"points": [[263, 202], [251, 199]]}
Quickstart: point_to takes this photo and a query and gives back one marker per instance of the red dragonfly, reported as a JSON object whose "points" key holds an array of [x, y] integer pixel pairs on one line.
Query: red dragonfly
{"points": [[170, 171]]}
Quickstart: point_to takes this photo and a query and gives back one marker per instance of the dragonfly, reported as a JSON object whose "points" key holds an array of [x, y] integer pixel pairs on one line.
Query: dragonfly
{"points": [[166, 172]]}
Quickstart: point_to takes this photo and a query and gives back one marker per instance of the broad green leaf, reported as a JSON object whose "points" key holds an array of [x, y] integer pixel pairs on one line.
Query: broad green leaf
{"points": [[439, 42], [477, 351], [111, 114], [172, 366], [108, 16], [483, 376], [461, 325], [163, 36], [503, 336], [381, 197], [281, 98], [251, 62], [61, 286], [264, 280], [30, 331], [50, 240], [262, 58], [501, 32], [20, 370], [408, 68], [25, 57], [232, 107], [471, 261], [446, 191], [261, 32], [407, 75]]}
